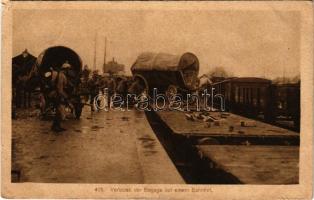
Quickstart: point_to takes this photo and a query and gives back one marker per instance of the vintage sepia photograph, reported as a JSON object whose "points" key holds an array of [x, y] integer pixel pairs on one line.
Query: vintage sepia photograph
{"points": [[186, 95]]}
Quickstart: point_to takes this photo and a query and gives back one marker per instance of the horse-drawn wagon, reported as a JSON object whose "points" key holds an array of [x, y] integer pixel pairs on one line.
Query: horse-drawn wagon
{"points": [[52, 59], [167, 73]]}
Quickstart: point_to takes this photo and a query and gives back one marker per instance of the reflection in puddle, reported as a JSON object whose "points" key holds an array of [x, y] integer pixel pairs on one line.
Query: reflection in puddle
{"points": [[148, 144]]}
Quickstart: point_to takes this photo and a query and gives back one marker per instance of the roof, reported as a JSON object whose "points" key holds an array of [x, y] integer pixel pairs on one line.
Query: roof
{"points": [[251, 80], [245, 80]]}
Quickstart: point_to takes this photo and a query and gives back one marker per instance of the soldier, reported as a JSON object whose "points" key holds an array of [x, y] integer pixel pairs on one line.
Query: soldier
{"points": [[84, 82], [122, 88], [58, 95], [111, 85], [93, 85]]}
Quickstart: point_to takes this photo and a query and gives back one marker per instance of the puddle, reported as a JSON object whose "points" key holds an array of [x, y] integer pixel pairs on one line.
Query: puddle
{"points": [[42, 157], [125, 118], [149, 153], [146, 139], [95, 127], [149, 145]]}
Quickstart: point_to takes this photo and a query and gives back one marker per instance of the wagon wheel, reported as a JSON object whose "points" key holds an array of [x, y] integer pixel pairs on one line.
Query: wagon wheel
{"points": [[171, 91]]}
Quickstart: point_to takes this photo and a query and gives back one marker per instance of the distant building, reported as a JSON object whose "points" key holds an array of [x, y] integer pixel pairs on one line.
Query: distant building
{"points": [[113, 67]]}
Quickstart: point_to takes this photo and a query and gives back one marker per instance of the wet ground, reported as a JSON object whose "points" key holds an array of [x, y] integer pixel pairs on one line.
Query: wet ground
{"points": [[101, 147]]}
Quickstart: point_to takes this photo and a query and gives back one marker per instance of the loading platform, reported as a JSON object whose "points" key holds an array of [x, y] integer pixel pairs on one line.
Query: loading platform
{"points": [[232, 149], [225, 128], [255, 164]]}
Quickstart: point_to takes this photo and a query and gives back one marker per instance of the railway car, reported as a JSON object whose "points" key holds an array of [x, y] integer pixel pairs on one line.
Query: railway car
{"points": [[286, 102], [247, 95], [260, 98]]}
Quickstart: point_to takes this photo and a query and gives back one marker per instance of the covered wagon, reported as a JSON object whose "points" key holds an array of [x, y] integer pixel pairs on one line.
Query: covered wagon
{"points": [[52, 59], [166, 72]]}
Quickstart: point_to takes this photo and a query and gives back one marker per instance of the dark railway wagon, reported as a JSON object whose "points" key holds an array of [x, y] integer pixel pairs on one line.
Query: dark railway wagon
{"points": [[286, 102], [245, 95], [260, 98]]}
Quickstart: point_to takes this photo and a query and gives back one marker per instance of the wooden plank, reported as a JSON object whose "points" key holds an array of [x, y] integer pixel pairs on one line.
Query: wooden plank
{"points": [[178, 123], [256, 164]]}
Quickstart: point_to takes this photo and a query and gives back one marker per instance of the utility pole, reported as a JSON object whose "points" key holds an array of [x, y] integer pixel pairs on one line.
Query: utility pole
{"points": [[95, 51], [105, 54]]}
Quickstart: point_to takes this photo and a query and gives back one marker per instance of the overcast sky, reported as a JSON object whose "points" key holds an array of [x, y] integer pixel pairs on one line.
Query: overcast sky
{"points": [[244, 43]]}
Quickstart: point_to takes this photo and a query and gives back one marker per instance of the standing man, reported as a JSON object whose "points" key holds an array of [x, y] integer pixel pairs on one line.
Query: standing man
{"points": [[111, 85], [84, 83], [58, 95], [93, 85]]}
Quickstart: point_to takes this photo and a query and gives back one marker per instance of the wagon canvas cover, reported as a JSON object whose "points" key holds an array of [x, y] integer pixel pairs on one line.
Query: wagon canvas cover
{"points": [[164, 62], [180, 70]]}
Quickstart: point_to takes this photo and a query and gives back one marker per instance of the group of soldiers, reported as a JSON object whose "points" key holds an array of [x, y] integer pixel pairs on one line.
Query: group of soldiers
{"points": [[96, 84], [57, 89], [91, 85]]}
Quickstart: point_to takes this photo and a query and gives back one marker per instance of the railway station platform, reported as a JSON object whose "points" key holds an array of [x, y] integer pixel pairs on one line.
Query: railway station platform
{"points": [[101, 147]]}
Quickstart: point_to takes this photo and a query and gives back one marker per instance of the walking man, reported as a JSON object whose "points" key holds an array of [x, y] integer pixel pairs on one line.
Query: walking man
{"points": [[59, 96]]}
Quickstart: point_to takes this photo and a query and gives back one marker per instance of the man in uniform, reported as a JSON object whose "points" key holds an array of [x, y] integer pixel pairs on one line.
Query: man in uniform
{"points": [[111, 85], [58, 95], [93, 85]]}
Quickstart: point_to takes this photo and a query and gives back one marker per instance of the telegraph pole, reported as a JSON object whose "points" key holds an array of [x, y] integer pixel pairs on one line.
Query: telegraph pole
{"points": [[95, 51], [105, 54]]}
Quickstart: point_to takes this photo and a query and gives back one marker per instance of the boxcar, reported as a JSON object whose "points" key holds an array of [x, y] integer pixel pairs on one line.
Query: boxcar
{"points": [[245, 95], [286, 102]]}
